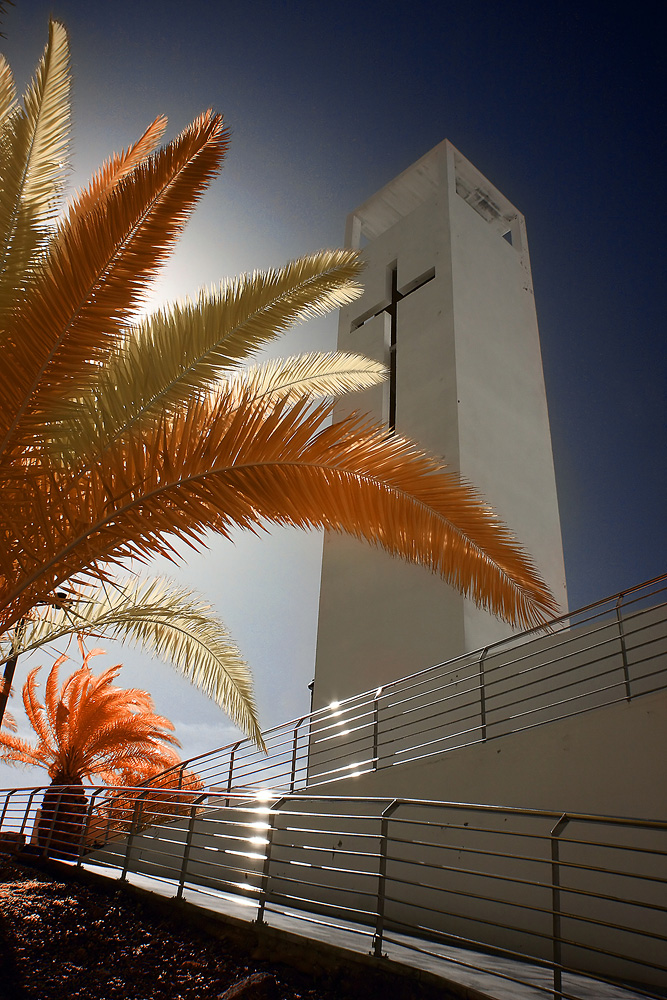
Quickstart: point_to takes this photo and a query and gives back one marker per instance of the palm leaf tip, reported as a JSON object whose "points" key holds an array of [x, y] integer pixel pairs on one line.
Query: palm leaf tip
{"points": [[118, 165], [306, 375], [47, 113], [7, 90]]}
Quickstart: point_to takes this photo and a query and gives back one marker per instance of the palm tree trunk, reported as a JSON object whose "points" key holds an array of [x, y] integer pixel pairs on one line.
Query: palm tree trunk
{"points": [[10, 667], [63, 816], [7, 680]]}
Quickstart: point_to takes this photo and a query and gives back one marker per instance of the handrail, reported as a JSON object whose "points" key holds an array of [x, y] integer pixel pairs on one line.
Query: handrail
{"points": [[244, 761], [602, 654], [557, 902], [532, 885]]}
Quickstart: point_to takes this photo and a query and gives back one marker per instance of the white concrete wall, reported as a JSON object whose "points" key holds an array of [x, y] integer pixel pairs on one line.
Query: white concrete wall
{"points": [[609, 761], [476, 874], [544, 724]]}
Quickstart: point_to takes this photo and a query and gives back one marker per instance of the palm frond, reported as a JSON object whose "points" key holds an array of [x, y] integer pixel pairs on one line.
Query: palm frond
{"points": [[14, 750], [51, 699], [33, 709], [209, 468], [186, 349], [96, 274], [9, 722], [89, 726], [166, 620], [33, 163], [47, 114], [118, 165], [306, 376]]}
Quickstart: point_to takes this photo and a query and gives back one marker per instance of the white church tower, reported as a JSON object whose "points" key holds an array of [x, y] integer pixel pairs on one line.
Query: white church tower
{"points": [[449, 307]]}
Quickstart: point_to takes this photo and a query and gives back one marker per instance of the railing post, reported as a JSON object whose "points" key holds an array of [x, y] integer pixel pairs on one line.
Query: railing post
{"points": [[482, 692], [27, 809], [624, 650], [108, 833], [230, 776], [376, 728], [84, 829], [267, 859], [56, 811], [4, 808], [555, 906], [382, 877], [133, 830], [294, 752], [188, 842]]}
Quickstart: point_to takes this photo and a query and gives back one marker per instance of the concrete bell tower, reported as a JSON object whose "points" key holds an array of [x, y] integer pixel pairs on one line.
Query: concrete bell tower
{"points": [[449, 307]]}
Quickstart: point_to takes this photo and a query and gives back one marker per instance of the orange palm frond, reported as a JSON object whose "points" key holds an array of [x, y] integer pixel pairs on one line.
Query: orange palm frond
{"points": [[215, 465], [17, 751], [97, 272], [33, 709], [51, 699], [9, 722]]}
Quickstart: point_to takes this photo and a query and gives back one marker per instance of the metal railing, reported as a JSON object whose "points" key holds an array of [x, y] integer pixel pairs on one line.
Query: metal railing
{"points": [[606, 653], [558, 903]]}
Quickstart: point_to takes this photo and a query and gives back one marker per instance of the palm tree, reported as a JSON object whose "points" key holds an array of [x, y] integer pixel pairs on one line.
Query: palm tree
{"points": [[120, 435], [89, 729]]}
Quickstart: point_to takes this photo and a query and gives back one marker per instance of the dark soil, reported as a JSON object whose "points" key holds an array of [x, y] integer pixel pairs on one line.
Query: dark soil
{"points": [[67, 939]]}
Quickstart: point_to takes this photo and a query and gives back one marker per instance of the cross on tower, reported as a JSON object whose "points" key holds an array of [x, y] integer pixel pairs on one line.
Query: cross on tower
{"points": [[392, 309]]}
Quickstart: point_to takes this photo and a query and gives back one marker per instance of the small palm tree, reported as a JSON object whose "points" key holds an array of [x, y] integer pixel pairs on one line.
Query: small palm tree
{"points": [[88, 729]]}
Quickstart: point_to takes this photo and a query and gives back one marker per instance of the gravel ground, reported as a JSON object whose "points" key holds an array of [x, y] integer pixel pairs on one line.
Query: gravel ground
{"points": [[66, 939]]}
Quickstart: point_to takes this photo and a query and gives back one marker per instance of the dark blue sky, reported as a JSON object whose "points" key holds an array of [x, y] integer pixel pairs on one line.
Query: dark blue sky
{"points": [[559, 105]]}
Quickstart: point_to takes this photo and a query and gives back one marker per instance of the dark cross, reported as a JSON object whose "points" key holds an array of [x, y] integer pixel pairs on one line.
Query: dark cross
{"points": [[392, 309]]}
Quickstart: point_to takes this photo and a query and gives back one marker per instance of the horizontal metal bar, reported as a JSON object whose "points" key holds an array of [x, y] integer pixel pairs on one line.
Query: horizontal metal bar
{"points": [[516, 642], [518, 929], [274, 897], [577, 866]]}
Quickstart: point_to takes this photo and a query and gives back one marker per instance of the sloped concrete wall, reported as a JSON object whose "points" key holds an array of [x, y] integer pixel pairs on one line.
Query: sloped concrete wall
{"points": [[608, 761]]}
